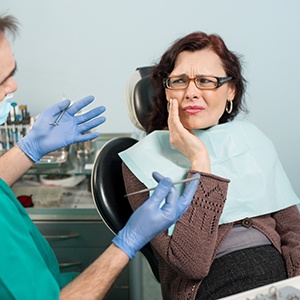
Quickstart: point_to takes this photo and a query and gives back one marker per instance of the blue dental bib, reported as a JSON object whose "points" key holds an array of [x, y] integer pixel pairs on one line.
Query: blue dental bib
{"points": [[239, 151]]}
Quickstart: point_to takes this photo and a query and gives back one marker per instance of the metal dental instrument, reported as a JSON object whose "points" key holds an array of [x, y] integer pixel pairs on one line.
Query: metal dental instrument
{"points": [[153, 188], [56, 122]]}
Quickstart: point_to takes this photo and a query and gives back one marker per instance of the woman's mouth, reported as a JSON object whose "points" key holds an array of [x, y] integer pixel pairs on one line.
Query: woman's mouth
{"points": [[193, 109]]}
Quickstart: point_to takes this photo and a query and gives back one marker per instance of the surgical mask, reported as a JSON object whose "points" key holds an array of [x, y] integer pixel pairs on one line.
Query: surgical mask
{"points": [[5, 106]]}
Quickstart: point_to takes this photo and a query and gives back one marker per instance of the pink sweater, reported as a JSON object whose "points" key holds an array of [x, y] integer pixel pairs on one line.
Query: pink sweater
{"points": [[185, 257]]}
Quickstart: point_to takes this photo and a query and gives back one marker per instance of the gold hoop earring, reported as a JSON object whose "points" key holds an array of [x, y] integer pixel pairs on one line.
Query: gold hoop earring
{"points": [[229, 110]]}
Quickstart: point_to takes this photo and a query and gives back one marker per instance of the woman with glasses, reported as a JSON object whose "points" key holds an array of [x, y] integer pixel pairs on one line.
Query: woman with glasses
{"points": [[242, 229]]}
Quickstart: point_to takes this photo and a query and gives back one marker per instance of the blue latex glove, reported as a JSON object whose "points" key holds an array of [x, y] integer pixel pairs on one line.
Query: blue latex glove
{"points": [[44, 137], [151, 218]]}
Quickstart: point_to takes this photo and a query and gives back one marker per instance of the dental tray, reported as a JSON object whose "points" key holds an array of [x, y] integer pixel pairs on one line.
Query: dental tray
{"points": [[42, 196], [55, 158]]}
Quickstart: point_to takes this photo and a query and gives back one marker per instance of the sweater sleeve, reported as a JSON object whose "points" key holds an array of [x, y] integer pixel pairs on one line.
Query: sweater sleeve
{"points": [[195, 236], [288, 227]]}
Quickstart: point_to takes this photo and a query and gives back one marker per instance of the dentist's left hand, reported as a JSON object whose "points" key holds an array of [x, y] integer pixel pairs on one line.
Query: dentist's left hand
{"points": [[44, 137], [151, 218]]}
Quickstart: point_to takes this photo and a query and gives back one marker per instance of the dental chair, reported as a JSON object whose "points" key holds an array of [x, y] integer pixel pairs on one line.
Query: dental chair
{"points": [[107, 183], [139, 94]]}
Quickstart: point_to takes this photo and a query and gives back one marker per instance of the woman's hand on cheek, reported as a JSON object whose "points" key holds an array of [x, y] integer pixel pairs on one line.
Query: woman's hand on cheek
{"points": [[174, 123], [186, 142]]}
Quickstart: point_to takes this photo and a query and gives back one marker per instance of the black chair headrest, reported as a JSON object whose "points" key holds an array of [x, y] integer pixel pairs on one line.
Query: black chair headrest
{"points": [[139, 96]]}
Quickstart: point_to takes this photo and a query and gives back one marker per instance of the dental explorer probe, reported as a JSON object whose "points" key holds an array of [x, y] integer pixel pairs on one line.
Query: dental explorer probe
{"points": [[153, 188]]}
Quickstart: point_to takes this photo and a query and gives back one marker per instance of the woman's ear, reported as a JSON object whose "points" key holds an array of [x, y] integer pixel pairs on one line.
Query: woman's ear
{"points": [[231, 93]]}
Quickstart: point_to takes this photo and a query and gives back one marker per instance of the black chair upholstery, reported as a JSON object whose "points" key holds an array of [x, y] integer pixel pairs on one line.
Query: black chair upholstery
{"points": [[139, 94], [108, 191], [142, 100]]}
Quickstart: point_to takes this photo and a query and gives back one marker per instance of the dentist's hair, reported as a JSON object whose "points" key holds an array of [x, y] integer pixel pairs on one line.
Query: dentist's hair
{"points": [[9, 24]]}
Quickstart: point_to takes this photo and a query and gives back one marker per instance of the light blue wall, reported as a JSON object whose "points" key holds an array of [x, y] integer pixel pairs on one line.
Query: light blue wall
{"points": [[76, 47]]}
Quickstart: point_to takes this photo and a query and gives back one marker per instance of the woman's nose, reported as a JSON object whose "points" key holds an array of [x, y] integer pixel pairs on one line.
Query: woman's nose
{"points": [[192, 92]]}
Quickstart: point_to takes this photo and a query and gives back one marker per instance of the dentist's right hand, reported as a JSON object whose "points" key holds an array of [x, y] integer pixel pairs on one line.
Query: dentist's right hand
{"points": [[44, 137], [151, 218]]}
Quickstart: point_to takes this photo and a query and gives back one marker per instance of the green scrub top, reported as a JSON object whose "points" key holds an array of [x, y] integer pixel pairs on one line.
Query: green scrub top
{"points": [[28, 265]]}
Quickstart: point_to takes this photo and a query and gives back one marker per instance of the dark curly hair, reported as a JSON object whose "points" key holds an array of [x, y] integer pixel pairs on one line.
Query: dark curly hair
{"points": [[158, 117]]}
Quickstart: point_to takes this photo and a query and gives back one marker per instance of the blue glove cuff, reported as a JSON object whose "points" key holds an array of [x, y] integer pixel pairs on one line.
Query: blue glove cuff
{"points": [[22, 144], [123, 246]]}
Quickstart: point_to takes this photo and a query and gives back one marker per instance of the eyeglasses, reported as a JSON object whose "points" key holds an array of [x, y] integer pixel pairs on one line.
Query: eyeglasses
{"points": [[201, 82]]}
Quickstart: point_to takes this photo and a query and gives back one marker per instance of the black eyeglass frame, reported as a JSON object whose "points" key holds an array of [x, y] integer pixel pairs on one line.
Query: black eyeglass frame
{"points": [[220, 82]]}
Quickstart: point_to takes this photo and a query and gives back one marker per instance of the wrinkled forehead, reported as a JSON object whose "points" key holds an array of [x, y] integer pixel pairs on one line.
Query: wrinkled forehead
{"points": [[200, 62]]}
